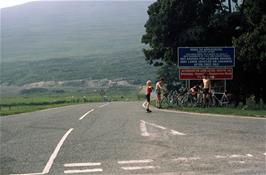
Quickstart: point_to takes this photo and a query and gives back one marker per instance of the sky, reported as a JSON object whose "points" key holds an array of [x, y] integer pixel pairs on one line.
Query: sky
{"points": [[9, 3]]}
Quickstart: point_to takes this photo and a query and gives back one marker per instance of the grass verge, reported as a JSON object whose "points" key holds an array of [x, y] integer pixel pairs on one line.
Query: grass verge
{"points": [[251, 110]]}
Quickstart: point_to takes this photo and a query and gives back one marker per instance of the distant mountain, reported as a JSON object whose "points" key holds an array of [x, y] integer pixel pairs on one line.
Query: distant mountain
{"points": [[52, 41]]}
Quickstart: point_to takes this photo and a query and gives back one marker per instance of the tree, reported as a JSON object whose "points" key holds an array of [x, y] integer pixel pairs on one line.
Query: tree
{"points": [[251, 49], [174, 23]]}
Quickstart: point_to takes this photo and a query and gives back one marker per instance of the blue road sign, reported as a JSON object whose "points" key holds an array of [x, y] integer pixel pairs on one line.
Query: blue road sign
{"points": [[189, 57]]}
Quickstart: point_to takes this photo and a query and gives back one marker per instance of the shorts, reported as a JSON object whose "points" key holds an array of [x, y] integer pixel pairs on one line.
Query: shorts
{"points": [[148, 97], [205, 90]]}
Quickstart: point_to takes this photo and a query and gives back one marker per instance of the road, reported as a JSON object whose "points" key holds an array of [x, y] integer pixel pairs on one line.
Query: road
{"points": [[121, 138]]}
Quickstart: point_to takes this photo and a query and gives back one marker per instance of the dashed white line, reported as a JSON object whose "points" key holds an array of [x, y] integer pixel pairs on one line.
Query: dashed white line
{"points": [[220, 157], [83, 171], [86, 114], [82, 164], [104, 105], [138, 168], [135, 161], [143, 129], [186, 159]]}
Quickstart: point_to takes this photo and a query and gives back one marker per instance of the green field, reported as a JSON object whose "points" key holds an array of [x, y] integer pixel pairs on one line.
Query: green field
{"points": [[21, 104], [251, 109]]}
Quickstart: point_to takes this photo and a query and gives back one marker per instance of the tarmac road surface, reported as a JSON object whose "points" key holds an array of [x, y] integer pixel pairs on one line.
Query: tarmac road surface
{"points": [[121, 138]]}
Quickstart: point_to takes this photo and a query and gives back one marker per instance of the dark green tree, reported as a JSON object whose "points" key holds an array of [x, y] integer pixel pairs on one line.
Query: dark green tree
{"points": [[251, 49], [175, 23]]}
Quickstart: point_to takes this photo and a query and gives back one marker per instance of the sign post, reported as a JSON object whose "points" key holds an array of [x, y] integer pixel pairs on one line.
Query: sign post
{"points": [[193, 62]]}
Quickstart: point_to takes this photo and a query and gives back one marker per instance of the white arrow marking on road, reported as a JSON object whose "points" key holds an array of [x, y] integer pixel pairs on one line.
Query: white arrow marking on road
{"points": [[143, 129], [177, 133], [86, 114], [173, 132]]}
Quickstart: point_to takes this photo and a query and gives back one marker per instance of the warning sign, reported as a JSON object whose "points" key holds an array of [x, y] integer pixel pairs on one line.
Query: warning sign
{"points": [[197, 74]]}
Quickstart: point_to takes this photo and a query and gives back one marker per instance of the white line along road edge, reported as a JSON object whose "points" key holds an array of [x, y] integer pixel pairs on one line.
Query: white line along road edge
{"points": [[53, 156], [86, 114]]}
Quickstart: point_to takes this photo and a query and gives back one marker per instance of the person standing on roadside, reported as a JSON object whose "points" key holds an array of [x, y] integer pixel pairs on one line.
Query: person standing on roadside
{"points": [[148, 95], [158, 90], [206, 87]]}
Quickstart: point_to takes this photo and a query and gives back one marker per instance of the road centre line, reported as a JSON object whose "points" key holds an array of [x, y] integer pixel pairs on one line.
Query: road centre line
{"points": [[81, 164], [83, 171], [53, 156], [57, 149], [86, 114], [138, 168], [143, 129], [104, 105], [135, 161]]}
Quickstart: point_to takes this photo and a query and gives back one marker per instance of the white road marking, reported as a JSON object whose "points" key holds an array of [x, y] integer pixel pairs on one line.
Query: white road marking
{"points": [[83, 171], [173, 132], [86, 114], [135, 161], [52, 157], [220, 157], [264, 154], [28, 174], [239, 162], [249, 155], [143, 129], [186, 159], [156, 126], [104, 105], [82, 164], [138, 168], [236, 156]]}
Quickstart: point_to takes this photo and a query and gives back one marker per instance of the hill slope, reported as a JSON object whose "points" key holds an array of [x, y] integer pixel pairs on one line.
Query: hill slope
{"points": [[43, 41]]}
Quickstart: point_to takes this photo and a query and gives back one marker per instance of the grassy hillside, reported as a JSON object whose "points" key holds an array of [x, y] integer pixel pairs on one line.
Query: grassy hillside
{"points": [[44, 41]]}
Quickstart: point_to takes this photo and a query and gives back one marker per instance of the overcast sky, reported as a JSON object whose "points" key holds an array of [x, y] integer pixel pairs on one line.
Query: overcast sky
{"points": [[9, 3]]}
